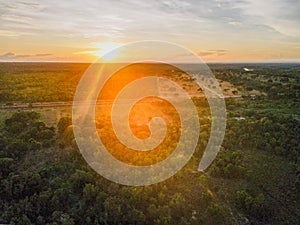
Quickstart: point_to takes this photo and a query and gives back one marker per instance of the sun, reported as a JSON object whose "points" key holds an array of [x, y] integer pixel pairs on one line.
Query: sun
{"points": [[105, 50]]}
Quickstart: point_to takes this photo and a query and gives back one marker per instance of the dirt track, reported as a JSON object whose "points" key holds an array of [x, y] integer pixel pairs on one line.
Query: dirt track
{"points": [[60, 104]]}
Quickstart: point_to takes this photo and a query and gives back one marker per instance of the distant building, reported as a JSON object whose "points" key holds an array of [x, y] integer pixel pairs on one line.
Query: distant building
{"points": [[248, 70], [239, 118]]}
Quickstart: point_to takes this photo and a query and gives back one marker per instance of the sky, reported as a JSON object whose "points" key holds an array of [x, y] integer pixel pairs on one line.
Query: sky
{"points": [[216, 30]]}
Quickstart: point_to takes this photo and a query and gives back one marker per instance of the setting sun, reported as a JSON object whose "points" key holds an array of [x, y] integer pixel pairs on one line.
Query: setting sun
{"points": [[105, 49]]}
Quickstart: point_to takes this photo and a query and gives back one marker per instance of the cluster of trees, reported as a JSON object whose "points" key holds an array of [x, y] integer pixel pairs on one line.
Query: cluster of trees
{"points": [[58, 187], [24, 132], [277, 134], [39, 82], [228, 165], [255, 206], [64, 189], [278, 81]]}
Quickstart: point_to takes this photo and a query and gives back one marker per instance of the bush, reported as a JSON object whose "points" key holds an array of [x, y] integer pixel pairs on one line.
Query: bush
{"points": [[63, 123], [228, 165], [6, 165], [254, 206]]}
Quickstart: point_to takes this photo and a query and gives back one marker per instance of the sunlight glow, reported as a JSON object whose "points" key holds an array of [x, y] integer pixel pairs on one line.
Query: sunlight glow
{"points": [[105, 48]]}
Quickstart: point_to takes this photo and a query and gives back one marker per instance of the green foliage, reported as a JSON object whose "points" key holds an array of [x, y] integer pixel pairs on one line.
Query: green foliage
{"points": [[25, 132], [287, 85], [228, 165], [254, 206], [6, 166], [68, 135], [79, 179], [39, 82], [58, 187], [271, 133], [63, 123], [215, 214]]}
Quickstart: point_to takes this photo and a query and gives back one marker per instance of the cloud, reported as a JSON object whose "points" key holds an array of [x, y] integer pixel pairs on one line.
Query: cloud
{"points": [[217, 52], [198, 24], [10, 56], [133, 19], [43, 54], [282, 16]]}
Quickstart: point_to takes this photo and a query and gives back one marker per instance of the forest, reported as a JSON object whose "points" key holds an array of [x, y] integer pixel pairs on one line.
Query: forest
{"points": [[255, 178]]}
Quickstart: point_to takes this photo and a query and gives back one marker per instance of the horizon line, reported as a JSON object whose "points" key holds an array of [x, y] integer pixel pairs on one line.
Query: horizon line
{"points": [[208, 62]]}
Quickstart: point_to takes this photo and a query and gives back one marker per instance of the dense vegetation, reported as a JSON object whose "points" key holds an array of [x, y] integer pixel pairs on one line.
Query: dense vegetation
{"points": [[48, 82], [279, 81], [255, 179], [39, 82]]}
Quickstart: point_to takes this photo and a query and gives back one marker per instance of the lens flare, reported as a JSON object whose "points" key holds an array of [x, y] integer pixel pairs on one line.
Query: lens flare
{"points": [[136, 123]]}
